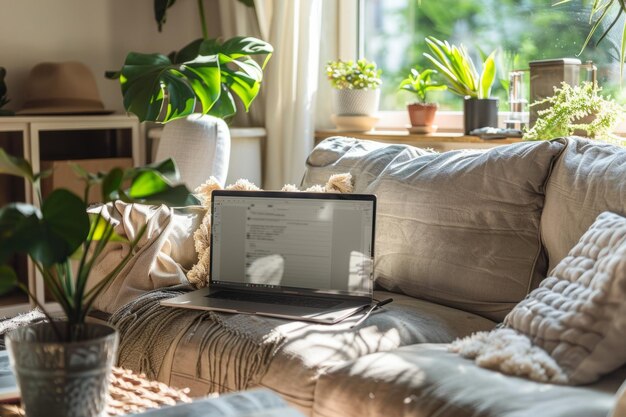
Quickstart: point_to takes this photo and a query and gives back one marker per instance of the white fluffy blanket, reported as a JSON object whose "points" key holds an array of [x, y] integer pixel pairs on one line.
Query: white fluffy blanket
{"points": [[512, 353]]}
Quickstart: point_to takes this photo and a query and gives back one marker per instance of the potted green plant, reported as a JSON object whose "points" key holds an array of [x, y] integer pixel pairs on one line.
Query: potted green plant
{"points": [[62, 366], [205, 76], [356, 93], [579, 110], [604, 15], [421, 113], [462, 78]]}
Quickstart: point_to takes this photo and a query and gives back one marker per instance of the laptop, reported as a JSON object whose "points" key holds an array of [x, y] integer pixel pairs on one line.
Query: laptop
{"points": [[294, 255]]}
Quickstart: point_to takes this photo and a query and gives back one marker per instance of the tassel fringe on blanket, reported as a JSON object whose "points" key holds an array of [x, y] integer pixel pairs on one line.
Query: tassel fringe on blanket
{"points": [[240, 349]]}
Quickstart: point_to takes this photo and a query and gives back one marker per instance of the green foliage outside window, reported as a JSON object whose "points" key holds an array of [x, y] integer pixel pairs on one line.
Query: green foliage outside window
{"points": [[521, 30]]}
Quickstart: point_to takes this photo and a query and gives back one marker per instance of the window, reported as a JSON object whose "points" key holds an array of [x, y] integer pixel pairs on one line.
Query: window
{"points": [[393, 32]]}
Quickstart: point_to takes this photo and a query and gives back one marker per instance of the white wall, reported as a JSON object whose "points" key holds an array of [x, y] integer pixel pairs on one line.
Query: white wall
{"points": [[97, 32]]}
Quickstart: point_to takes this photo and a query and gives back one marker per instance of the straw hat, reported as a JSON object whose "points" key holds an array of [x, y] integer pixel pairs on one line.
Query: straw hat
{"points": [[62, 88]]}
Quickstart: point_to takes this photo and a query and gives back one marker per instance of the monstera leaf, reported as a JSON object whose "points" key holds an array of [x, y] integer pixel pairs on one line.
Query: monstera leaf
{"points": [[3, 87], [161, 6], [160, 11], [49, 236], [204, 77], [3, 93]]}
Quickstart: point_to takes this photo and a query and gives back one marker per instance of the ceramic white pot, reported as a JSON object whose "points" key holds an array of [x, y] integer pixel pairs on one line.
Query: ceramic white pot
{"points": [[356, 102]]}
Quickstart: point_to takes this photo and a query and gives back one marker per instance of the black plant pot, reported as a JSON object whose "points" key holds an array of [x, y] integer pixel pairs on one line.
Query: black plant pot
{"points": [[480, 112]]}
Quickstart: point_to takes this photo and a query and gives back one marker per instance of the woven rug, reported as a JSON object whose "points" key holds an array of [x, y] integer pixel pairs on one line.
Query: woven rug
{"points": [[129, 393]]}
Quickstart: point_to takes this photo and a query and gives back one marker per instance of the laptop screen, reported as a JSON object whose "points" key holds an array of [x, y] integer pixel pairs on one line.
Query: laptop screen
{"points": [[303, 242]]}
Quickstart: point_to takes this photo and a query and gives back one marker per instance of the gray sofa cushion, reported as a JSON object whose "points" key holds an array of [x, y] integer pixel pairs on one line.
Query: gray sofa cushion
{"points": [[429, 381], [309, 349], [586, 180], [340, 154], [459, 228]]}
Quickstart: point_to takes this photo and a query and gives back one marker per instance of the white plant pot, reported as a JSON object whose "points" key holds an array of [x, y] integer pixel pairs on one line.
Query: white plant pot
{"points": [[356, 102]]}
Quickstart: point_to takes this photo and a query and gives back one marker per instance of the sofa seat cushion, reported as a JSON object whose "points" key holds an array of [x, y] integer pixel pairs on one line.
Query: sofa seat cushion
{"points": [[460, 228], [427, 380], [586, 180], [308, 349]]}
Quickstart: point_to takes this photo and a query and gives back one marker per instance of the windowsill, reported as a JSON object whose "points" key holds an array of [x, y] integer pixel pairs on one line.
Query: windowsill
{"points": [[447, 121], [402, 135]]}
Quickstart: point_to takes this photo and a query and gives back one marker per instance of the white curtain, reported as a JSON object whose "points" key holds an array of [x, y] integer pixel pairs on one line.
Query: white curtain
{"points": [[290, 86], [237, 19], [293, 27]]}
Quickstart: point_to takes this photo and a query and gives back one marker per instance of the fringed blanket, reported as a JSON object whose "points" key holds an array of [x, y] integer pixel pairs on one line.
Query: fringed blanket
{"points": [[235, 344], [6, 325]]}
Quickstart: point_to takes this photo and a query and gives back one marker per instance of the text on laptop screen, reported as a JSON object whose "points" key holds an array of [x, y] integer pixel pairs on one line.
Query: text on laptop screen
{"points": [[315, 244]]}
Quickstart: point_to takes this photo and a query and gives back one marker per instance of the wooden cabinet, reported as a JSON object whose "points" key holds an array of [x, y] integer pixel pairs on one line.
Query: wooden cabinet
{"points": [[55, 139]]}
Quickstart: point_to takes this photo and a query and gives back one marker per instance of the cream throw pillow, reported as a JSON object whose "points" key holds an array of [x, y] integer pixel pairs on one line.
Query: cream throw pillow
{"points": [[577, 316]]}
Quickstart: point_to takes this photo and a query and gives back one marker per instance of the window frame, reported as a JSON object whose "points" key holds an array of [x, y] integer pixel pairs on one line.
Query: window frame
{"points": [[352, 44]]}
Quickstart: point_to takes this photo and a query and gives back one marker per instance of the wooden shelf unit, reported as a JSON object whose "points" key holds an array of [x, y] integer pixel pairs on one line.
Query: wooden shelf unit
{"points": [[30, 132]]}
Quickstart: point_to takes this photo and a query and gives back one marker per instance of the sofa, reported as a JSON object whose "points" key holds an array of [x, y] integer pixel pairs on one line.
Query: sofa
{"points": [[462, 237]]}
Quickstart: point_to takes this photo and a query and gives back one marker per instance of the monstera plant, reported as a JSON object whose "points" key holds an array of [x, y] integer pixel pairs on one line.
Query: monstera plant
{"points": [[205, 76]]}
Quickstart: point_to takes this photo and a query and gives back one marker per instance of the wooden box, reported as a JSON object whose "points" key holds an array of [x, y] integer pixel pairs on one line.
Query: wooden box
{"points": [[63, 176]]}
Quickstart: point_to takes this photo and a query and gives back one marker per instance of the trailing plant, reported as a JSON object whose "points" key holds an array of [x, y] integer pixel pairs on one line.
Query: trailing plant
{"points": [[59, 229], [3, 93], [601, 13], [204, 76], [351, 75], [459, 71], [420, 83], [577, 109]]}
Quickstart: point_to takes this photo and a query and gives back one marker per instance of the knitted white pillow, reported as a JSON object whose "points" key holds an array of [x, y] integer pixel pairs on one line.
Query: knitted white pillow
{"points": [[577, 315]]}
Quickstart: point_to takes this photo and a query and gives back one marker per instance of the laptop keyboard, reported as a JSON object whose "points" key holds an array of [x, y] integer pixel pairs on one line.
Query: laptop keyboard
{"points": [[280, 299]]}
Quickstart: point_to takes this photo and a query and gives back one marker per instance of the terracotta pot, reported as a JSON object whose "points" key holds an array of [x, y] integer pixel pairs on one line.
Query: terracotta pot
{"points": [[422, 114]]}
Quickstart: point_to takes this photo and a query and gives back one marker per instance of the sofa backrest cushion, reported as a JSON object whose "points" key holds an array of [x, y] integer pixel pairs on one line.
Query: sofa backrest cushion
{"points": [[340, 154], [459, 228], [589, 178]]}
